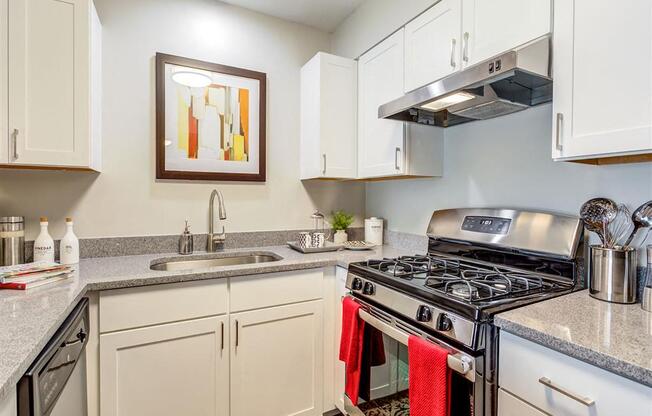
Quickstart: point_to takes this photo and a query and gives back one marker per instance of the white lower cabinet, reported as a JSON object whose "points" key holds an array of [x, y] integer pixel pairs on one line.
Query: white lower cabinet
{"points": [[173, 369], [8, 405], [276, 361], [560, 385], [213, 350], [509, 405]]}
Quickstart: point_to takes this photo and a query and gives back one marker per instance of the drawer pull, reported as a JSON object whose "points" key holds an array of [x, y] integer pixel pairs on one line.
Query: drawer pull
{"points": [[584, 400]]}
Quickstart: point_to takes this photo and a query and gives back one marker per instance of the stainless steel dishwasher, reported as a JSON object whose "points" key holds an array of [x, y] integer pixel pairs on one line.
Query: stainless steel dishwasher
{"points": [[55, 384]]}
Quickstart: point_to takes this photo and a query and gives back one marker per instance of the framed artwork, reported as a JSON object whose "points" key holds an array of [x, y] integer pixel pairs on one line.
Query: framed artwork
{"points": [[210, 121]]}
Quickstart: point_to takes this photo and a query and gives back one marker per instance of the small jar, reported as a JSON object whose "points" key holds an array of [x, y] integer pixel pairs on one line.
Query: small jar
{"points": [[12, 240]]}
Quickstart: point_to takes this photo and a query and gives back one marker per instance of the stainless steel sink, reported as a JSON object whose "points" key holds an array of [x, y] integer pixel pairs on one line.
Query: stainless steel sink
{"points": [[205, 263]]}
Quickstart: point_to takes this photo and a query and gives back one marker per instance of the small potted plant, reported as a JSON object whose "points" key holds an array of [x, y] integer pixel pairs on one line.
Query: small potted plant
{"points": [[341, 221]]}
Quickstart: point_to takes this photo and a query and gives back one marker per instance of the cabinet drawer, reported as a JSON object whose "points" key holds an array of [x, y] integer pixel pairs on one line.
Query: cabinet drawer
{"points": [[526, 368], [509, 405], [150, 305], [265, 290]]}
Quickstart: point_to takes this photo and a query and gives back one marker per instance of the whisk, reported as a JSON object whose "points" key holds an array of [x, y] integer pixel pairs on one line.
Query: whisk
{"points": [[619, 228]]}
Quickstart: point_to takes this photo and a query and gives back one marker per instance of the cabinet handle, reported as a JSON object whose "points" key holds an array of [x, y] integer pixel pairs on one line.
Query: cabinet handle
{"points": [[222, 336], [453, 41], [465, 53], [15, 143], [560, 123], [398, 150], [584, 400], [237, 333], [323, 172]]}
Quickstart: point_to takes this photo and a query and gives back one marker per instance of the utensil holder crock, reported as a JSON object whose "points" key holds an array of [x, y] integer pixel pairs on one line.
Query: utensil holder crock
{"points": [[612, 274]]}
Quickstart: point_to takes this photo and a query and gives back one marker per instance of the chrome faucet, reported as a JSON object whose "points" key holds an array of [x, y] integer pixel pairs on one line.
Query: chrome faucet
{"points": [[216, 241]]}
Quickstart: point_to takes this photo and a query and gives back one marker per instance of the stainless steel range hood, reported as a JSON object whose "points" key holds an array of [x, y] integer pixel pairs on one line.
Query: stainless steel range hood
{"points": [[504, 84]]}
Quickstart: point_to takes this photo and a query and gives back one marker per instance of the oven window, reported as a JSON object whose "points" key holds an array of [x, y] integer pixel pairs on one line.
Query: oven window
{"points": [[389, 384]]}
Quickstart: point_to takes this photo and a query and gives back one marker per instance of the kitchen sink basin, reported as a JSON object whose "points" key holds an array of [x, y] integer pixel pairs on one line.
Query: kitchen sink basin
{"points": [[205, 263]]}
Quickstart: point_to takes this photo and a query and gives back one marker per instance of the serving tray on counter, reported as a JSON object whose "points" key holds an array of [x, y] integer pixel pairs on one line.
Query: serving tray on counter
{"points": [[328, 246]]}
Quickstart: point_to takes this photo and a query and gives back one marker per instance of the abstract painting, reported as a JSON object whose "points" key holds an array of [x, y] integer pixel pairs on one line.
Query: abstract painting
{"points": [[210, 121]]}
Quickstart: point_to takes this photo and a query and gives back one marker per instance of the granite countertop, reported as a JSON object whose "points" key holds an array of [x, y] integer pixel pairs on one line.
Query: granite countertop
{"points": [[614, 337], [28, 319]]}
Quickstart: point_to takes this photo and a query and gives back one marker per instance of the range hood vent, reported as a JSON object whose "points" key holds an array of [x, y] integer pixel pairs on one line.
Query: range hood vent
{"points": [[504, 84]]}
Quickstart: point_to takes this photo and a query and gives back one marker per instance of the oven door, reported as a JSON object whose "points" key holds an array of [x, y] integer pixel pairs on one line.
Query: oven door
{"points": [[389, 382]]}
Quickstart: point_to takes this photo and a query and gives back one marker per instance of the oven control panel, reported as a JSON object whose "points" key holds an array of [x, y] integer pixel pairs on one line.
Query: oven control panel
{"points": [[487, 225]]}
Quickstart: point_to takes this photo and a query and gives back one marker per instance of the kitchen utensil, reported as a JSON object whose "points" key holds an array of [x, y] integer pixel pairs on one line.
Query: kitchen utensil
{"points": [[642, 218], [596, 214], [620, 227], [612, 274], [12, 241], [328, 246], [320, 224], [305, 240], [646, 300]]}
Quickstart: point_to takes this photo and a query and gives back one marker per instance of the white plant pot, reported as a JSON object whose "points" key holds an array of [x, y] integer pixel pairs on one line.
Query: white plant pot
{"points": [[340, 236]]}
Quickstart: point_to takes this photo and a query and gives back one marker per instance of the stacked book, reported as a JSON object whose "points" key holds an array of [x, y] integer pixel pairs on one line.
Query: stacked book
{"points": [[27, 276]]}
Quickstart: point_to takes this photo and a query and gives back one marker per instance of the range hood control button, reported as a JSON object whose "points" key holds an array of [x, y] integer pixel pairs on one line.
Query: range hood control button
{"points": [[424, 314]]}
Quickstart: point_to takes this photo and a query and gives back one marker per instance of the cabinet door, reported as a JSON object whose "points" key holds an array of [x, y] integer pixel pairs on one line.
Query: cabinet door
{"points": [[509, 405], [338, 110], [49, 73], [166, 370], [432, 44], [277, 361], [491, 27], [380, 79], [339, 372], [602, 88]]}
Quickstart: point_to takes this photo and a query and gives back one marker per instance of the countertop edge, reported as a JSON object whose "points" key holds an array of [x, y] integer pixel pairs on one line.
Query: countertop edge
{"points": [[605, 362]]}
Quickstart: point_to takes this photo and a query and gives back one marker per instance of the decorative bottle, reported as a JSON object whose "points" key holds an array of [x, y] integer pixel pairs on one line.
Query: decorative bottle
{"points": [[69, 247], [44, 245]]}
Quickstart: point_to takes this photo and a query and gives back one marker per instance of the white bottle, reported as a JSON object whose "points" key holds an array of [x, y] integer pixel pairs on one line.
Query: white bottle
{"points": [[69, 247], [44, 245]]}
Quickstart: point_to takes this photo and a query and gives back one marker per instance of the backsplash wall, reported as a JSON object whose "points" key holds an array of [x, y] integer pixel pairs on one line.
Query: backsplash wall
{"points": [[125, 199]]}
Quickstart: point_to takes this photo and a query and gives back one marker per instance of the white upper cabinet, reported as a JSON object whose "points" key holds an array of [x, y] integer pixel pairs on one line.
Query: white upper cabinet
{"points": [[432, 44], [490, 27], [602, 83], [54, 84], [328, 117], [381, 143], [390, 148]]}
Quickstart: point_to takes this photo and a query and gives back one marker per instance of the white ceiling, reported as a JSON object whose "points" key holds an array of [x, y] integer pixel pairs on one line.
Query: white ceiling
{"points": [[325, 15]]}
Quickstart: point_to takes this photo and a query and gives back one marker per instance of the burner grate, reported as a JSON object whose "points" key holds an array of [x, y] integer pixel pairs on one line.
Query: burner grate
{"points": [[461, 279]]}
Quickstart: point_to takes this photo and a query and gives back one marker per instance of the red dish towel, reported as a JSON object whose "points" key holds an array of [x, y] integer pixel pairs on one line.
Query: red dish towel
{"points": [[351, 345], [430, 378]]}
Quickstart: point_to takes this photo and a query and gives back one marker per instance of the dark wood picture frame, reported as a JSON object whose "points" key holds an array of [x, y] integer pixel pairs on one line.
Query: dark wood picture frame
{"points": [[161, 173]]}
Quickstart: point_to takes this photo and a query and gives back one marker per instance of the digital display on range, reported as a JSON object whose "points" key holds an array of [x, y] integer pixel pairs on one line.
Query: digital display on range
{"points": [[487, 225]]}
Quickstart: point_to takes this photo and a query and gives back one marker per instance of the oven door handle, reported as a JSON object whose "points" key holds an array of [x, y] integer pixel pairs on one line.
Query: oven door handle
{"points": [[456, 362]]}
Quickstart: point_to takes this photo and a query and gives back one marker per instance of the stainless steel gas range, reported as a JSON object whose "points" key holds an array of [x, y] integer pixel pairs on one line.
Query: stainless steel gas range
{"points": [[480, 262]]}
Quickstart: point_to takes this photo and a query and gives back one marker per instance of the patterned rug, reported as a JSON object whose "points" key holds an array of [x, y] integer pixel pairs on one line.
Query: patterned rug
{"points": [[394, 405]]}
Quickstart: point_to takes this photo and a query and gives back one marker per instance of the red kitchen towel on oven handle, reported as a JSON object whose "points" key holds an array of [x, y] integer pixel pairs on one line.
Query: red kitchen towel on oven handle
{"points": [[430, 378], [351, 345]]}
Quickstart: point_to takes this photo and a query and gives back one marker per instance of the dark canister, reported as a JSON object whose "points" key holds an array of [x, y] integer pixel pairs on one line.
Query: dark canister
{"points": [[12, 241]]}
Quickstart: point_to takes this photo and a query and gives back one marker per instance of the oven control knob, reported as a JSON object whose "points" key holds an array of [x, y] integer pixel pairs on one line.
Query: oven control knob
{"points": [[444, 323], [356, 283], [424, 314], [368, 289]]}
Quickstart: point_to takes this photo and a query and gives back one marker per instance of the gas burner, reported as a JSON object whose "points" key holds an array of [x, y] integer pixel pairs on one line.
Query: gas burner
{"points": [[464, 291]]}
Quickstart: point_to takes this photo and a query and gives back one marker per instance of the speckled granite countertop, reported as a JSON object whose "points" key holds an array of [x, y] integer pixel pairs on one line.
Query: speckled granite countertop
{"points": [[28, 319], [614, 337]]}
